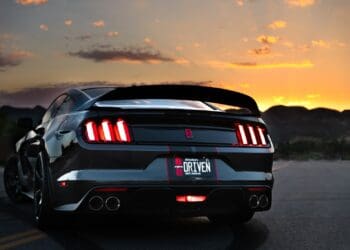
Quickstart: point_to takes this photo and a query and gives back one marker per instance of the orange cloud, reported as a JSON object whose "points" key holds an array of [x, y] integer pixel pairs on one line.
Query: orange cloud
{"points": [[253, 65], [327, 44], [68, 22], [182, 61], [112, 33], [44, 27], [240, 2], [147, 40], [267, 39], [300, 3], [278, 24], [31, 2], [99, 23], [321, 44], [179, 48]]}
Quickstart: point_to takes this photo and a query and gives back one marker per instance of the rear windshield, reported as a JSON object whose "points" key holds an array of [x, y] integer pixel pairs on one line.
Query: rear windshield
{"points": [[96, 92]]}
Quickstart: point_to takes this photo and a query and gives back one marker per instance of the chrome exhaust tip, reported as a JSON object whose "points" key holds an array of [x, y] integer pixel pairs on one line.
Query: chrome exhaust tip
{"points": [[96, 203], [263, 201], [112, 203], [253, 201]]}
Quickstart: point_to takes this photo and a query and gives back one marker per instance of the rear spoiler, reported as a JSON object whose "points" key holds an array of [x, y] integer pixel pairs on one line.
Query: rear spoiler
{"points": [[182, 92]]}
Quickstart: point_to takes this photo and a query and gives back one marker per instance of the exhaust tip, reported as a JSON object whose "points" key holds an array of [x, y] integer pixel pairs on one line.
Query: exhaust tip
{"points": [[96, 203], [112, 203], [253, 201], [263, 201]]}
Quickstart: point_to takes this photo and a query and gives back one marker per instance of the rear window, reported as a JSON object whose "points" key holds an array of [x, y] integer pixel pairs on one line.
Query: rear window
{"points": [[96, 92]]}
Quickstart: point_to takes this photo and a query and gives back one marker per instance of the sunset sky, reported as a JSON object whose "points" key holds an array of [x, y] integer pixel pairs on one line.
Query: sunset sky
{"points": [[289, 52]]}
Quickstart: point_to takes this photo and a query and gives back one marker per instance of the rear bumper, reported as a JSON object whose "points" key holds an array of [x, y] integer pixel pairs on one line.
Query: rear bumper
{"points": [[143, 171], [143, 195], [162, 201]]}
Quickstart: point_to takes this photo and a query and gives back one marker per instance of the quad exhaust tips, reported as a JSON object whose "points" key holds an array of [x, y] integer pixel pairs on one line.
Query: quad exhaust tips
{"points": [[261, 201], [111, 203], [96, 203]]}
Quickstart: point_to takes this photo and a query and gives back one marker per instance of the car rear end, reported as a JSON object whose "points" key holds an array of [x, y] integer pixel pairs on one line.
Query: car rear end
{"points": [[164, 156]]}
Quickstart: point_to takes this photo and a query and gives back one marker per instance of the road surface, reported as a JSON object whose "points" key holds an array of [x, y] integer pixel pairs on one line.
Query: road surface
{"points": [[311, 210]]}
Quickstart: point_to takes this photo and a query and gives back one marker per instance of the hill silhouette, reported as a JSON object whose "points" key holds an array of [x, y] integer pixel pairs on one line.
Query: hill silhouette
{"points": [[297, 132]]}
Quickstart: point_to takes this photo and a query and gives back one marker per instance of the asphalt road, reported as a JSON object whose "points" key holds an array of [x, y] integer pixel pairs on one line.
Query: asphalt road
{"points": [[311, 210]]}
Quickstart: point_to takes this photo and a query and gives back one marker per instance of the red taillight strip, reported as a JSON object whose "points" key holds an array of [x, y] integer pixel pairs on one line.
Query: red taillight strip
{"points": [[262, 136], [122, 131], [107, 132], [256, 135], [252, 135], [91, 131], [241, 134]]}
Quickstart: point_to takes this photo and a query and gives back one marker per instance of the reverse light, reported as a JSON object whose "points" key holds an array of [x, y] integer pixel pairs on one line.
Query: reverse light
{"points": [[250, 135], [190, 198], [107, 131]]}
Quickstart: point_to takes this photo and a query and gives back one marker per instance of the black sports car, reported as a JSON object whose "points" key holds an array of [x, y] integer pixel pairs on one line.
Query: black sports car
{"points": [[159, 149]]}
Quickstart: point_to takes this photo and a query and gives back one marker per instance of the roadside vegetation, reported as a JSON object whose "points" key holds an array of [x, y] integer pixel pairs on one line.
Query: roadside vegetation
{"points": [[315, 150], [297, 133]]}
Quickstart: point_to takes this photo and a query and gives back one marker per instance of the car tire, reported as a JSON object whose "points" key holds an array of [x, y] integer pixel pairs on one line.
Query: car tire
{"points": [[12, 183], [237, 218], [44, 215]]}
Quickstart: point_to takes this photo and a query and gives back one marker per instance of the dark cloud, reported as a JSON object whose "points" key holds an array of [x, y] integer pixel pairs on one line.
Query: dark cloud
{"points": [[43, 95], [261, 51], [84, 37], [13, 58], [8, 61], [144, 55], [245, 64]]}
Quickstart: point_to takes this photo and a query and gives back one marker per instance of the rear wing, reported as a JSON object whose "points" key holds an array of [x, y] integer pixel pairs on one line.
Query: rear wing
{"points": [[181, 92]]}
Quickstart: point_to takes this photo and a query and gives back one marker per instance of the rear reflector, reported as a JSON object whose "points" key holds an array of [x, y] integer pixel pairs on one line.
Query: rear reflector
{"points": [[190, 198], [63, 184], [250, 136], [256, 189], [107, 132]]}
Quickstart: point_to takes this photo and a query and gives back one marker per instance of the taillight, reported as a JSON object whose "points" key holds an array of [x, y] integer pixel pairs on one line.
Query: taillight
{"points": [[250, 135], [107, 131]]}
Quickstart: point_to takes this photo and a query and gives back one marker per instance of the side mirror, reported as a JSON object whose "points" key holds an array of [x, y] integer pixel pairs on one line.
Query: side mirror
{"points": [[25, 123]]}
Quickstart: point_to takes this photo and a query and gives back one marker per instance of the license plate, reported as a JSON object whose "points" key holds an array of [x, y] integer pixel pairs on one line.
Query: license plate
{"points": [[191, 168]]}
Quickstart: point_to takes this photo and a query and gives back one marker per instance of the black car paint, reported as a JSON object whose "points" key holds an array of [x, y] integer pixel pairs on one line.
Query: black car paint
{"points": [[141, 165]]}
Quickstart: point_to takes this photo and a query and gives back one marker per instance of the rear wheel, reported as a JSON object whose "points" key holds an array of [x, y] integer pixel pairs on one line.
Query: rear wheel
{"points": [[241, 217], [12, 183], [43, 213]]}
